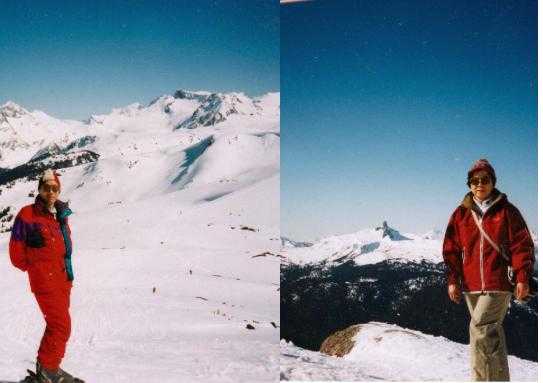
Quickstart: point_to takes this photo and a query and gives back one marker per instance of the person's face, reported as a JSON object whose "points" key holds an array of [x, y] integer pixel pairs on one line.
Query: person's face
{"points": [[481, 185], [49, 191]]}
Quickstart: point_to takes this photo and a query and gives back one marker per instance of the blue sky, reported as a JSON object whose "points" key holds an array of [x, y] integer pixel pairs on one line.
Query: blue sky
{"points": [[385, 105], [75, 58]]}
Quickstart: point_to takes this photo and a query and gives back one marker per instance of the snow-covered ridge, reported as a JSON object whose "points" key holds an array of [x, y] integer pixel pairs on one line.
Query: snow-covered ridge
{"points": [[386, 352], [24, 134], [11, 110], [286, 242], [216, 108], [370, 246]]}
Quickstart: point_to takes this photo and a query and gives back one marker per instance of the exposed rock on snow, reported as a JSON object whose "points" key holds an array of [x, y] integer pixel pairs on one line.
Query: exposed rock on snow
{"points": [[216, 107], [389, 232], [188, 95], [341, 342], [285, 242]]}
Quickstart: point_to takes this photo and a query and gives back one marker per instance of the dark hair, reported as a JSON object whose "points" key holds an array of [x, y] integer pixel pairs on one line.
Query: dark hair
{"points": [[41, 182]]}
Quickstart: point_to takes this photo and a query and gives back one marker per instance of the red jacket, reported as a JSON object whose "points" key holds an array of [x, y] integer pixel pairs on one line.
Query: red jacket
{"points": [[472, 261], [43, 259]]}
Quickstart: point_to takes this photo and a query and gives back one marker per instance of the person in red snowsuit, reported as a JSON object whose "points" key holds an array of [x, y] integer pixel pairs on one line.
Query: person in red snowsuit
{"points": [[485, 237], [40, 244]]}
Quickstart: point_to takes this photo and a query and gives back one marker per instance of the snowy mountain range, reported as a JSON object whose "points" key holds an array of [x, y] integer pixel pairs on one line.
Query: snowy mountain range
{"points": [[23, 134], [175, 231], [369, 246]]}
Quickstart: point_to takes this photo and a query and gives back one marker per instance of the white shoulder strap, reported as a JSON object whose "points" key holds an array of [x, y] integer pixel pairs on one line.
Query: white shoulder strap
{"points": [[478, 221]]}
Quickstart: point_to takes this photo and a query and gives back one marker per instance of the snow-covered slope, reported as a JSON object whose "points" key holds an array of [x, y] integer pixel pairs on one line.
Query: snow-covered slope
{"points": [[175, 237], [387, 352]]}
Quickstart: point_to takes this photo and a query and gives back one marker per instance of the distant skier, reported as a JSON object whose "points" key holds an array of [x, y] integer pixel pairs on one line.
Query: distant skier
{"points": [[485, 234], [41, 245]]}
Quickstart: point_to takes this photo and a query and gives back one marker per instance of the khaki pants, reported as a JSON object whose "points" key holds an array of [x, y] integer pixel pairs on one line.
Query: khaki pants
{"points": [[486, 336]]}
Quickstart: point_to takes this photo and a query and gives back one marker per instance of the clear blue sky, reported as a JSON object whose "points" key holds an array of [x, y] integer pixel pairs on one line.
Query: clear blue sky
{"points": [[75, 58], [386, 104]]}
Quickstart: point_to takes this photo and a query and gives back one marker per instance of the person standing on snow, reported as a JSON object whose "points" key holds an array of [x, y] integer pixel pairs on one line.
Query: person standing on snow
{"points": [[40, 244], [485, 235]]}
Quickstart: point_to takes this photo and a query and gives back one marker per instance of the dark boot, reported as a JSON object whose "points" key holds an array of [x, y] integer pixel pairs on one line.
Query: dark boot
{"points": [[48, 376]]}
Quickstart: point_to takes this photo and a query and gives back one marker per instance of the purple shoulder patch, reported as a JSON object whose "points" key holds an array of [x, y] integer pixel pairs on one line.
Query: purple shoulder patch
{"points": [[19, 230]]}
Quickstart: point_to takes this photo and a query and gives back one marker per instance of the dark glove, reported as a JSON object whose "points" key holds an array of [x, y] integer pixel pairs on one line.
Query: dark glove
{"points": [[34, 239]]}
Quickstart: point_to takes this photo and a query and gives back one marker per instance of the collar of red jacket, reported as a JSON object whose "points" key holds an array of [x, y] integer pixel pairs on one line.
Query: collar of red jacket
{"points": [[496, 196], [41, 206]]}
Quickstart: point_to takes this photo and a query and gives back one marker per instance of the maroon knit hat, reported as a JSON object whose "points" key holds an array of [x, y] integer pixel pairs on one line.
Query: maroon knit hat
{"points": [[49, 175], [482, 164]]}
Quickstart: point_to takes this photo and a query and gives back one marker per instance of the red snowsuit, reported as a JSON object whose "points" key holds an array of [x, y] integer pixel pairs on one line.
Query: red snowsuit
{"points": [[472, 261], [44, 261]]}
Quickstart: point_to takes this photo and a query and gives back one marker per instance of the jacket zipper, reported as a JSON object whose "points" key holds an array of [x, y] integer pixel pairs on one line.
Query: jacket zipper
{"points": [[481, 260], [463, 255]]}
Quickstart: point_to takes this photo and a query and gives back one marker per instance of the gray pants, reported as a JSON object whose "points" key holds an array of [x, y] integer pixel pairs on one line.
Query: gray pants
{"points": [[486, 336]]}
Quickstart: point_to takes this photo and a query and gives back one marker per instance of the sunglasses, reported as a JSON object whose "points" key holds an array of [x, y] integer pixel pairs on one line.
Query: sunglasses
{"points": [[50, 188], [479, 180]]}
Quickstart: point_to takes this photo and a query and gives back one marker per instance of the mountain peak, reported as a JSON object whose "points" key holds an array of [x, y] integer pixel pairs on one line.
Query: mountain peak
{"points": [[191, 95], [11, 109], [216, 107], [393, 234]]}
